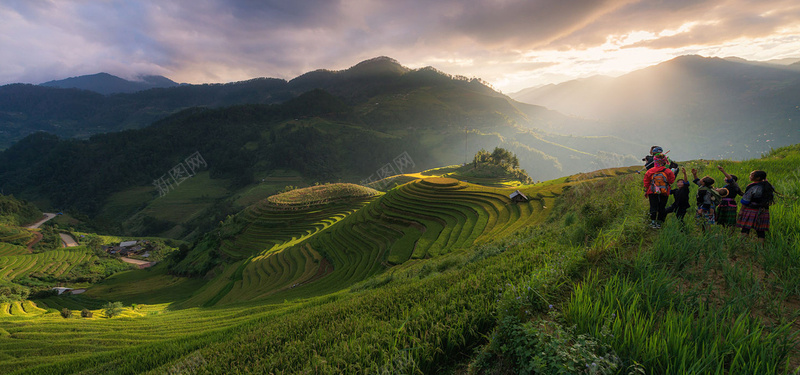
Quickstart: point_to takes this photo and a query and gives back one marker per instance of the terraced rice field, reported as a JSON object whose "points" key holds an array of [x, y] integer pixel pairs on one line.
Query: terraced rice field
{"points": [[55, 262], [15, 235], [270, 228], [320, 194], [422, 219], [55, 339], [7, 249], [20, 308]]}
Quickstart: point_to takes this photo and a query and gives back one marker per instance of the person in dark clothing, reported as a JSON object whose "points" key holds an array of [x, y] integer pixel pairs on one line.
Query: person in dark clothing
{"points": [[726, 211], [681, 194], [755, 205], [707, 199]]}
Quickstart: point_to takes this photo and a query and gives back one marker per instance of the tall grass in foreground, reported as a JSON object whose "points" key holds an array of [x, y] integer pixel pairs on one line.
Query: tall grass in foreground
{"points": [[702, 301], [651, 325]]}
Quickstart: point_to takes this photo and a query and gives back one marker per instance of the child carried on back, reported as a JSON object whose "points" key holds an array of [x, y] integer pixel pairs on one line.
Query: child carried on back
{"points": [[707, 199]]}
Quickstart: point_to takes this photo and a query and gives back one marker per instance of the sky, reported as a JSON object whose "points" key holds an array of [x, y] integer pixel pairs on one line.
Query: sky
{"points": [[511, 44]]}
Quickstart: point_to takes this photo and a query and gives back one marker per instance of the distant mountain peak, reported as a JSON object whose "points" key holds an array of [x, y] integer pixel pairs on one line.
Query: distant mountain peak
{"points": [[105, 83], [380, 64], [379, 60]]}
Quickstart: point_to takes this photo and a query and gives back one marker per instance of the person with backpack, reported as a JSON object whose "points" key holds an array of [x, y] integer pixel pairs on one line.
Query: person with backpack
{"points": [[681, 197], [727, 209], [657, 181], [707, 199], [757, 198]]}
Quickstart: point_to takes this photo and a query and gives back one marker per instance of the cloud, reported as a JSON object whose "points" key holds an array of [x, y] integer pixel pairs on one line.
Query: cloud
{"points": [[527, 24], [498, 40], [711, 22]]}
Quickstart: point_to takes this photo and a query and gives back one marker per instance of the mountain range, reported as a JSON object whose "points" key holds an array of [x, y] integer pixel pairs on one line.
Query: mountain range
{"points": [[696, 106], [26, 109]]}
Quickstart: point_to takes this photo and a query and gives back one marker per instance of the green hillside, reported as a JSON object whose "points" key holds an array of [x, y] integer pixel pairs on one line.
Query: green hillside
{"points": [[443, 276]]}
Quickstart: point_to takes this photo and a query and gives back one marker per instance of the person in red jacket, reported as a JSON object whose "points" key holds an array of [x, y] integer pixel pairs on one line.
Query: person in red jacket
{"points": [[657, 183]]}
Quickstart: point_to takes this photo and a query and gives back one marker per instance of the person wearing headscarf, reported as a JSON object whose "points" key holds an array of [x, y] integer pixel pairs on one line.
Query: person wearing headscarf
{"points": [[648, 160]]}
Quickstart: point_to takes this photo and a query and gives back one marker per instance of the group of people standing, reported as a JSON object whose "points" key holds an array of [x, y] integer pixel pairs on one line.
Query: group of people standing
{"points": [[713, 205]]}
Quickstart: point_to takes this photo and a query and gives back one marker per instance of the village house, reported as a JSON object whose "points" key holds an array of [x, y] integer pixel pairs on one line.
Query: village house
{"points": [[518, 197], [134, 247]]}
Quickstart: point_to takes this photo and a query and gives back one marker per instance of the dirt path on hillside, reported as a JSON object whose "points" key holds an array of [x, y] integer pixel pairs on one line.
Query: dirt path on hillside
{"points": [[67, 240], [36, 238], [47, 216]]}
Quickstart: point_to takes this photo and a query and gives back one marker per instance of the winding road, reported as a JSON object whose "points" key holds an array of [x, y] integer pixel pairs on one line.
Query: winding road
{"points": [[36, 235], [47, 216], [68, 240]]}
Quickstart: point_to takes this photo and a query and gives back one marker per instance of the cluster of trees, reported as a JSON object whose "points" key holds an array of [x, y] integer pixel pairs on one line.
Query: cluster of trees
{"points": [[17, 212], [13, 292], [500, 163], [67, 313], [499, 156], [110, 309]]}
